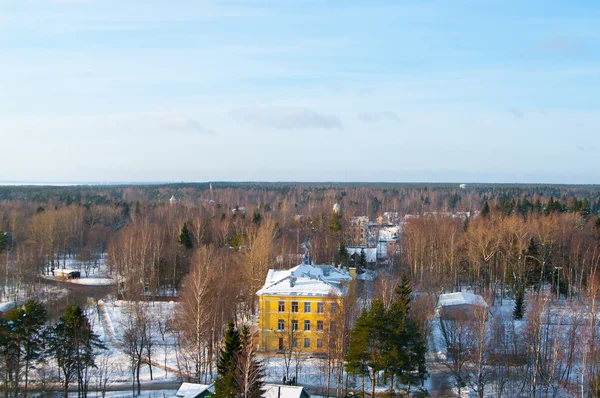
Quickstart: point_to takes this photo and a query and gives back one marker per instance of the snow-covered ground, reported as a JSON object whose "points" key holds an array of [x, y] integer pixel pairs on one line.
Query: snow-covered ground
{"points": [[113, 317], [93, 273]]}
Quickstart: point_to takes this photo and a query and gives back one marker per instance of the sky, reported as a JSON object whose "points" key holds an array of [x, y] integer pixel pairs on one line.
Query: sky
{"points": [[303, 90]]}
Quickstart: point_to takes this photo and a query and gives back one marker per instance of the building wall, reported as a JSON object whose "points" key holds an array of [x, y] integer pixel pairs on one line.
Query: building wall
{"points": [[269, 316]]}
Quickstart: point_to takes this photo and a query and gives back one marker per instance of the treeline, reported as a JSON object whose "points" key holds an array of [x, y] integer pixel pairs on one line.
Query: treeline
{"points": [[504, 253]]}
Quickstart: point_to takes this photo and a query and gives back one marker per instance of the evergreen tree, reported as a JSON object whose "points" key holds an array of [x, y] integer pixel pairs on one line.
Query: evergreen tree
{"points": [[362, 261], [343, 254], [226, 384], [23, 342], [368, 343], [519, 310], [335, 225], [405, 340], [485, 211], [185, 238], [73, 344], [249, 372]]}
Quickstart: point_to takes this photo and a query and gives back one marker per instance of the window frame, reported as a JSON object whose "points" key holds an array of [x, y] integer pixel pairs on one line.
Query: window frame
{"points": [[307, 325], [295, 306], [320, 308], [281, 306]]}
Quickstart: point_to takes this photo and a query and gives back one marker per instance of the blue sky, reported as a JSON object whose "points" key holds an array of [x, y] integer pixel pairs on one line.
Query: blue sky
{"points": [[474, 91]]}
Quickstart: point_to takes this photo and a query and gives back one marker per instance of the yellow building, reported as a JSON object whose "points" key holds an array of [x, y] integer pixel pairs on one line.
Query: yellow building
{"points": [[296, 307]]}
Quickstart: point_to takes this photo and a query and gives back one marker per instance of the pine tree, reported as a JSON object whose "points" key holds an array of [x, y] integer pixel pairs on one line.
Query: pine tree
{"points": [[74, 344], [226, 384], [185, 238], [519, 310]]}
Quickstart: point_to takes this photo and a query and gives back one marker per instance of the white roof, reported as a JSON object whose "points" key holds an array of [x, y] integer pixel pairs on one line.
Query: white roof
{"points": [[307, 280], [192, 390], [282, 391], [370, 252], [389, 233], [461, 298]]}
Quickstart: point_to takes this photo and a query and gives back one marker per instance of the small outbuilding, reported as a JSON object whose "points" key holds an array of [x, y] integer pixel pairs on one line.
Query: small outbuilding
{"points": [[194, 390], [283, 391], [460, 306], [68, 273]]}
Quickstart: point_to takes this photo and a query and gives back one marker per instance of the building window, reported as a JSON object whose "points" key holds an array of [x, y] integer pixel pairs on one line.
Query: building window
{"points": [[332, 327], [294, 342], [320, 326], [294, 325], [280, 324], [307, 306], [281, 306], [294, 306], [319, 343], [333, 308], [306, 343], [307, 326], [320, 308], [281, 343]]}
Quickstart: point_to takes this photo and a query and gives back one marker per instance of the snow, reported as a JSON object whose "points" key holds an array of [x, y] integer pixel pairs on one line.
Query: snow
{"points": [[282, 391], [389, 233], [305, 280], [461, 298], [192, 390], [368, 275], [98, 275], [370, 252]]}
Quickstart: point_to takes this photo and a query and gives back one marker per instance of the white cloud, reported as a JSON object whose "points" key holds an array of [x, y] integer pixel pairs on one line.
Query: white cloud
{"points": [[287, 118], [184, 123]]}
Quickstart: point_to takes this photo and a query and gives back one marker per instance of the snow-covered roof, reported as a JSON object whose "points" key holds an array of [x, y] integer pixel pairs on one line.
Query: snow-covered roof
{"points": [[461, 298], [283, 391], [192, 390], [389, 233], [370, 252], [305, 280]]}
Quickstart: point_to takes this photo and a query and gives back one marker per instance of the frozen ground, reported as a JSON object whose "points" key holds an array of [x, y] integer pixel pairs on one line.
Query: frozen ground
{"points": [[97, 273]]}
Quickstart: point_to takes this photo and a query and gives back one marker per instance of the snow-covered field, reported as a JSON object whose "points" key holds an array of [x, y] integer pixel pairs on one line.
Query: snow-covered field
{"points": [[112, 319], [93, 273]]}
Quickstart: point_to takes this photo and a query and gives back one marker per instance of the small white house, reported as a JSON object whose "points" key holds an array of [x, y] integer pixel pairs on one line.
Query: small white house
{"points": [[173, 200]]}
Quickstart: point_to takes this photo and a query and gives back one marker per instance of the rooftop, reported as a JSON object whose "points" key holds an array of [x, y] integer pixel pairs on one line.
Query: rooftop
{"points": [[305, 280], [461, 298]]}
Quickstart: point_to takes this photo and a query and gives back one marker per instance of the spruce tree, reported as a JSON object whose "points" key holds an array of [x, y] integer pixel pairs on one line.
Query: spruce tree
{"points": [[250, 372], [185, 238], [485, 211], [519, 304], [226, 384], [362, 261]]}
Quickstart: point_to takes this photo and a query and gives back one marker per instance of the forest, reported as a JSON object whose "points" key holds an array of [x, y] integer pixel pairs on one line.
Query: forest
{"points": [[531, 251]]}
